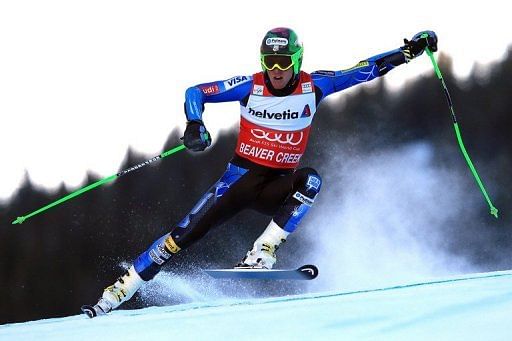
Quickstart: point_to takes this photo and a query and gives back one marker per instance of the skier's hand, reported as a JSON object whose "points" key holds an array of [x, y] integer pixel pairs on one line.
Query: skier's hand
{"points": [[196, 137], [415, 47]]}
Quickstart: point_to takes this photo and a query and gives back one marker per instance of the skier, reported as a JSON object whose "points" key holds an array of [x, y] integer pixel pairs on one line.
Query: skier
{"points": [[277, 109]]}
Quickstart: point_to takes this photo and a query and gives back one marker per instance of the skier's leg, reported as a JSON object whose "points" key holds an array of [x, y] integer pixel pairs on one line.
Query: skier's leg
{"points": [[211, 211], [287, 199], [306, 186], [206, 213]]}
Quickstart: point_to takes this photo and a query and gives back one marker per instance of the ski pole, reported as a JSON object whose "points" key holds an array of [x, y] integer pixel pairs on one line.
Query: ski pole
{"points": [[82, 190], [493, 210]]}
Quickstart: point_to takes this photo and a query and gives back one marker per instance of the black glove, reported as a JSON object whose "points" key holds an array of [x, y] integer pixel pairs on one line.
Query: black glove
{"points": [[196, 137], [415, 47]]}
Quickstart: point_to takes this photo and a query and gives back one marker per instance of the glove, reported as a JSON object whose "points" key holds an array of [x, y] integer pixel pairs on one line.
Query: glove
{"points": [[196, 137], [415, 47]]}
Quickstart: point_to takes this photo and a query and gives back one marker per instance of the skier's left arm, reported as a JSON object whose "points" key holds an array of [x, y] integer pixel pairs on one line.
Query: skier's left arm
{"points": [[333, 81]]}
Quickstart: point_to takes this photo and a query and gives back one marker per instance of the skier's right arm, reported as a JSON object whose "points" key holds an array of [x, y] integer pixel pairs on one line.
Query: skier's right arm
{"points": [[196, 136]]}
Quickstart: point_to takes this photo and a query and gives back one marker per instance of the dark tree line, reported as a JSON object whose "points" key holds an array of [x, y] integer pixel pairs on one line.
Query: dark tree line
{"points": [[57, 261]]}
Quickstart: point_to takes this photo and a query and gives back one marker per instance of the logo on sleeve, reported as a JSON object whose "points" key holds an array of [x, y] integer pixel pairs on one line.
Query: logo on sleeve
{"points": [[234, 81], [358, 65], [209, 89], [325, 73]]}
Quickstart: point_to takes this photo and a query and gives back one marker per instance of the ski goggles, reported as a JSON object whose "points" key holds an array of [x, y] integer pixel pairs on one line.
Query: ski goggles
{"points": [[280, 61]]}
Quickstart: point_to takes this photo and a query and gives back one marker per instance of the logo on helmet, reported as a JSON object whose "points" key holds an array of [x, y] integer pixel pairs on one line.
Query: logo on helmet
{"points": [[276, 42]]}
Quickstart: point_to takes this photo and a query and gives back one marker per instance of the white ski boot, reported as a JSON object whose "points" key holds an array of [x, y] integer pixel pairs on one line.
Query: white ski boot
{"points": [[263, 253], [121, 291]]}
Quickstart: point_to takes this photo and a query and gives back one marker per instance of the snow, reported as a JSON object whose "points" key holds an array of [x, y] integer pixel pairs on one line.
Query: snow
{"points": [[467, 307]]}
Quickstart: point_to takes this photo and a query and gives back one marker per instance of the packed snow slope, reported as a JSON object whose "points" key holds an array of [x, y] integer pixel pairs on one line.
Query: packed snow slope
{"points": [[469, 307]]}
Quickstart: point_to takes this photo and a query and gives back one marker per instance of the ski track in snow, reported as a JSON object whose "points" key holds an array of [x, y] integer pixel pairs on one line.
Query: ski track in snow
{"points": [[467, 307]]}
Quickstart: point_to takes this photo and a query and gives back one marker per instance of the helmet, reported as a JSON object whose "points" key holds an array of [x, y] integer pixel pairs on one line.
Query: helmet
{"points": [[281, 48]]}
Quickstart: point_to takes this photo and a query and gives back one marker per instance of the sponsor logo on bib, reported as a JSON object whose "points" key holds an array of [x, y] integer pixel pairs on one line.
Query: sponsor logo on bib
{"points": [[284, 115], [257, 90], [292, 138], [306, 88]]}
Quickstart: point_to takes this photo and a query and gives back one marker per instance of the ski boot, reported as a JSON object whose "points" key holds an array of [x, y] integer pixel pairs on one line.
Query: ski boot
{"points": [[263, 253], [121, 291]]}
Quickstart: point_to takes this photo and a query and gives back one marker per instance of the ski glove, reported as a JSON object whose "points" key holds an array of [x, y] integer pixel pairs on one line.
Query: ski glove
{"points": [[415, 47], [196, 137]]}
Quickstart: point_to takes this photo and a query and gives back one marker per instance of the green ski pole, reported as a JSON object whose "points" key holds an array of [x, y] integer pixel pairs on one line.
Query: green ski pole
{"points": [[82, 190], [493, 210]]}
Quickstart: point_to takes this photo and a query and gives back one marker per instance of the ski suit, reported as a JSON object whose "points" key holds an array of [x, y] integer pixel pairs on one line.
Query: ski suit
{"points": [[263, 174]]}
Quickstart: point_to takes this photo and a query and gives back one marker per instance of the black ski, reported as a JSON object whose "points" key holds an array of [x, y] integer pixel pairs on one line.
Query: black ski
{"points": [[101, 308], [89, 310], [305, 272]]}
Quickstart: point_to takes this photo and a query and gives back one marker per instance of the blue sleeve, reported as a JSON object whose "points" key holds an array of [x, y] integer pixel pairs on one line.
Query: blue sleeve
{"points": [[233, 89], [330, 82]]}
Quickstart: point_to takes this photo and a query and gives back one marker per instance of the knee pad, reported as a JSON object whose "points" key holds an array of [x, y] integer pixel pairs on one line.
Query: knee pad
{"points": [[308, 183]]}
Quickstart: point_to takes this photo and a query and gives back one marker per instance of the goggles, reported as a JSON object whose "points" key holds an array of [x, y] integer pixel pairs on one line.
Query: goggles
{"points": [[272, 61], [281, 61]]}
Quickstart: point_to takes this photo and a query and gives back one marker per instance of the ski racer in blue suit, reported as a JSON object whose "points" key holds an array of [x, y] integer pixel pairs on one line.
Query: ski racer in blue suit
{"points": [[277, 108]]}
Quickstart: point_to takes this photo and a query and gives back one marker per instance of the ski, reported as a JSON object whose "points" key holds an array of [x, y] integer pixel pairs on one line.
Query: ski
{"points": [[89, 310], [305, 272], [100, 308]]}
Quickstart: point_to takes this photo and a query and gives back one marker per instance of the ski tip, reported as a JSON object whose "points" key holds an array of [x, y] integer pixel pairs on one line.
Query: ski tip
{"points": [[309, 271], [89, 310]]}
